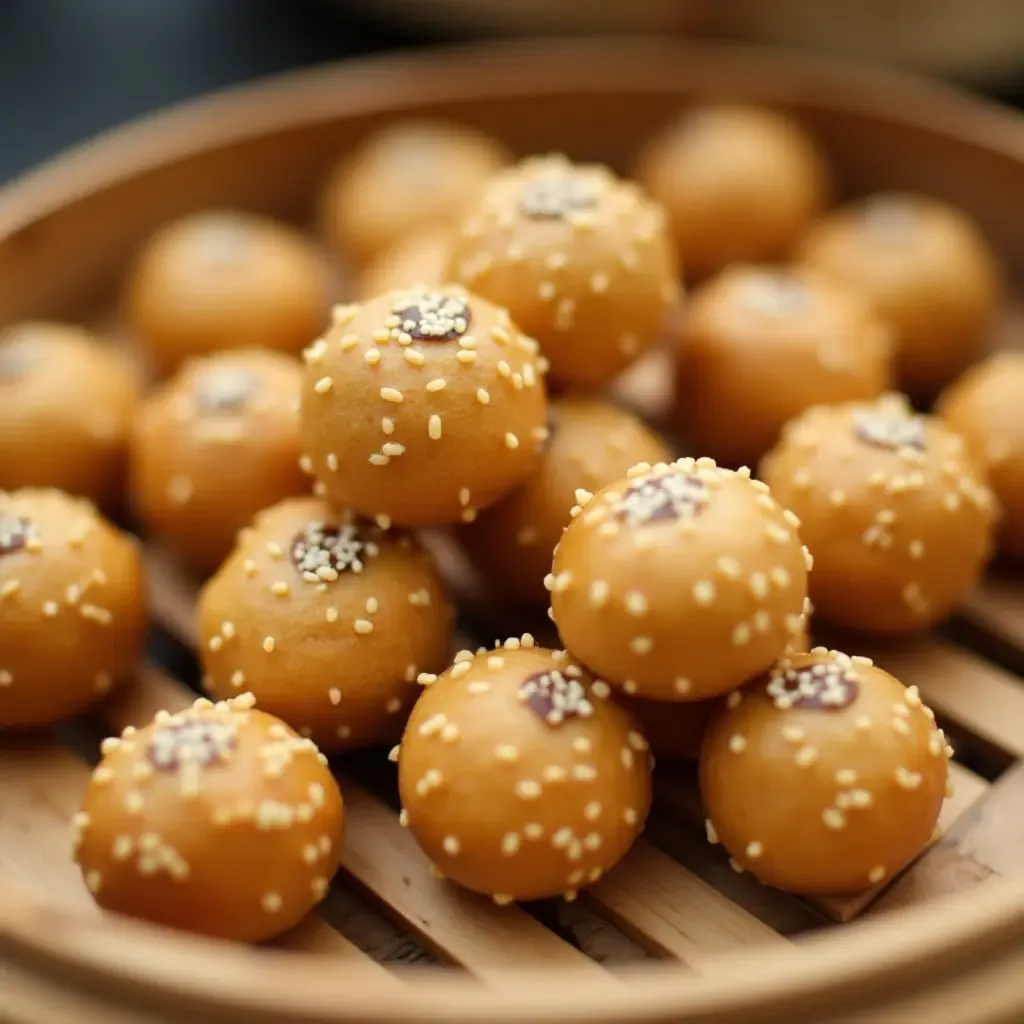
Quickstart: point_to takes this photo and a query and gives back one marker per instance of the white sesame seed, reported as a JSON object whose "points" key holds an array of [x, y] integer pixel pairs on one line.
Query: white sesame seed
{"points": [[323, 385], [391, 395]]}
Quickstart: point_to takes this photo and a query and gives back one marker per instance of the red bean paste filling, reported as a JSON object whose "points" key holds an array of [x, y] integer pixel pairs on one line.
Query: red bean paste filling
{"points": [[321, 552], [892, 432], [555, 696], [201, 743], [14, 533], [825, 686], [432, 316], [225, 392], [555, 198], [662, 499]]}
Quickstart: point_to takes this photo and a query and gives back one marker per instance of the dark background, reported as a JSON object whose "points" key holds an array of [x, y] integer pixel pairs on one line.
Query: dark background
{"points": [[71, 68]]}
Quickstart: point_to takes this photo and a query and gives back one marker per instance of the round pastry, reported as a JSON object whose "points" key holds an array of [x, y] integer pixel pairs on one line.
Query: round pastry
{"points": [[894, 510], [419, 259], [740, 184], [826, 777], [518, 778], [327, 620], [72, 607], [680, 582], [760, 345], [928, 271], [592, 443], [581, 259], [984, 407], [67, 403], [218, 820], [223, 279], [421, 407], [411, 175], [213, 446]]}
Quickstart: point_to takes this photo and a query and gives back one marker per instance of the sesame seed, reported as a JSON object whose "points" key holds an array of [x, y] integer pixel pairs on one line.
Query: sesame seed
{"points": [[510, 844], [434, 427], [710, 831], [391, 395], [268, 644], [437, 384], [806, 756], [833, 818], [629, 816], [271, 902], [876, 874], [704, 592], [280, 589], [511, 441], [323, 385], [741, 635], [451, 846], [681, 685], [528, 789], [754, 849], [376, 459], [641, 645], [392, 449], [737, 744]]}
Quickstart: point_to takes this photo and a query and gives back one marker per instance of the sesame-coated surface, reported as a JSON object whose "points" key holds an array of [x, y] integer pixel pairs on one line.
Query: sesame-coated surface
{"points": [[519, 778], [927, 270], [761, 344], [72, 607], [681, 581], [825, 776], [894, 509], [592, 443], [420, 257], [581, 259], [213, 446], [66, 407], [422, 406], [984, 406], [222, 279], [217, 820], [740, 183], [327, 620]]}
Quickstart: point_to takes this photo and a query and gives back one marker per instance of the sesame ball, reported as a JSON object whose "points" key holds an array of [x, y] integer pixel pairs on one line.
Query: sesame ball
{"points": [[927, 269], [760, 345], [826, 776], [327, 620], [422, 407], [420, 258], [984, 407], [66, 407], [406, 177], [740, 184], [592, 443], [680, 582], [580, 258], [72, 607], [518, 778], [224, 279], [217, 820], [673, 729], [893, 508], [213, 446]]}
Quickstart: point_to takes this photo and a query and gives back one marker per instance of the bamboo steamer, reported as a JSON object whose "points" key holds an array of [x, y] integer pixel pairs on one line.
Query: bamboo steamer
{"points": [[941, 943]]}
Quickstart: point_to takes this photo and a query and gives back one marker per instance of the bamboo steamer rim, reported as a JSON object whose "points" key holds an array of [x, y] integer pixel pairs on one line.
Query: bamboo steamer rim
{"points": [[917, 949]]}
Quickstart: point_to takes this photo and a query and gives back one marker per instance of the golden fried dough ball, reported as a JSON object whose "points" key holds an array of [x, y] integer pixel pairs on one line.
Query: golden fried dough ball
{"points": [[327, 621], [894, 510], [581, 259], [673, 729], [224, 279], [419, 259], [985, 407], [740, 184], [826, 777], [680, 582], [762, 344], [72, 607], [66, 408], [518, 777], [422, 407], [592, 443], [409, 176], [928, 271], [217, 820], [213, 446]]}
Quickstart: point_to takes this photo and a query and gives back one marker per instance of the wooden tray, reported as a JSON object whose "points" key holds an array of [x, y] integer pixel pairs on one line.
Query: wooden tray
{"points": [[732, 950]]}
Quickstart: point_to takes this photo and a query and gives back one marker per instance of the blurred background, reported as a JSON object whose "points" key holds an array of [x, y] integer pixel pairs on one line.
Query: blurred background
{"points": [[72, 68]]}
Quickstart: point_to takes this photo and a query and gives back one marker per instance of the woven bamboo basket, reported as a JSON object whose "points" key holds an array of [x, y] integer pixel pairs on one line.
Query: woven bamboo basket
{"points": [[672, 934]]}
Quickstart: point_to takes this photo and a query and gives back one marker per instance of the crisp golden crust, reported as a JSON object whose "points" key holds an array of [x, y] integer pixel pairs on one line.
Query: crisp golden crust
{"points": [[740, 183], [928, 271], [67, 404], [592, 443], [826, 777], [328, 621], [894, 510], [72, 607], [760, 345], [984, 407], [223, 279], [420, 258], [680, 582], [411, 176], [518, 777], [450, 406], [581, 260], [212, 447], [218, 820]]}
